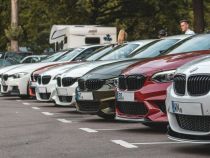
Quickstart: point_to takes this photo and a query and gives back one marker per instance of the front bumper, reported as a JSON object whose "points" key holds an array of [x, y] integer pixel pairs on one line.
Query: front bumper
{"points": [[148, 104], [65, 96], [47, 93], [192, 122], [103, 100], [18, 86]]}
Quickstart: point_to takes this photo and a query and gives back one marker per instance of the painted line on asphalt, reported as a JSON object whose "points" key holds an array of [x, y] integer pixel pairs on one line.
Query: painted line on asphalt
{"points": [[26, 104], [18, 100], [124, 144], [134, 145], [64, 120], [47, 113], [89, 130], [35, 108]]}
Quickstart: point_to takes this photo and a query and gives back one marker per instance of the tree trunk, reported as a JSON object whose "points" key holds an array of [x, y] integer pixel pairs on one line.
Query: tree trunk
{"points": [[14, 22], [198, 12]]}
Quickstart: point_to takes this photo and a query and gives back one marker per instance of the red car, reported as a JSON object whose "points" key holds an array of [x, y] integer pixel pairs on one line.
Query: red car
{"points": [[141, 91]]}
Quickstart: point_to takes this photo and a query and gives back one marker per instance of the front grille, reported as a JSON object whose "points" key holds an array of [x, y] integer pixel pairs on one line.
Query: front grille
{"points": [[46, 79], [131, 82], [179, 83], [5, 77], [194, 123], [81, 84], [68, 81], [39, 80], [132, 108], [94, 84], [44, 95], [65, 99], [88, 106], [58, 81], [198, 85]]}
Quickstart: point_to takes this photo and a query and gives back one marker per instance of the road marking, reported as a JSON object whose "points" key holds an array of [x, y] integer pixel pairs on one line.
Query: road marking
{"points": [[26, 104], [64, 120], [35, 108], [47, 113], [124, 144], [18, 100], [89, 130]]}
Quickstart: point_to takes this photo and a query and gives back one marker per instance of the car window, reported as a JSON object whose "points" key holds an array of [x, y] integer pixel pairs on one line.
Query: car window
{"points": [[120, 53], [86, 53], [71, 55], [195, 43], [154, 49], [53, 57]]}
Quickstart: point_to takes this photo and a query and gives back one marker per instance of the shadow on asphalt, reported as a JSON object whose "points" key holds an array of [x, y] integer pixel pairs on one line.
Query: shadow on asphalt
{"points": [[195, 149]]}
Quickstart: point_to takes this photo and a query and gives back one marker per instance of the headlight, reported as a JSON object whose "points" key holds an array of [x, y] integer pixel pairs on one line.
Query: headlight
{"points": [[113, 82], [56, 76], [19, 75], [165, 76]]}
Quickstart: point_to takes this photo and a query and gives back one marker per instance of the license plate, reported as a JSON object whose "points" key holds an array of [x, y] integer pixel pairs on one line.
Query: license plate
{"points": [[33, 84], [186, 108], [42, 90], [62, 92], [84, 95], [125, 96]]}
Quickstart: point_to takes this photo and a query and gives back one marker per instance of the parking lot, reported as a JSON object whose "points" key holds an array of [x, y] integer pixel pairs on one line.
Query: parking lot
{"points": [[33, 129]]}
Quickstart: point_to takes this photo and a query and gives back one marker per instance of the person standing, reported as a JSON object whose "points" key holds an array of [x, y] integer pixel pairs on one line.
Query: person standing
{"points": [[122, 37], [185, 27]]}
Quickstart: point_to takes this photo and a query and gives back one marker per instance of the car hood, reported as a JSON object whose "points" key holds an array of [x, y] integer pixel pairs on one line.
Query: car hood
{"points": [[80, 70], [59, 69], [8, 68], [28, 68], [164, 63], [109, 71]]}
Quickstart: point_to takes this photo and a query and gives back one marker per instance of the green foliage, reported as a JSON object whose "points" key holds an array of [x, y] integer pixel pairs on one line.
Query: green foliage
{"points": [[13, 32], [140, 18]]}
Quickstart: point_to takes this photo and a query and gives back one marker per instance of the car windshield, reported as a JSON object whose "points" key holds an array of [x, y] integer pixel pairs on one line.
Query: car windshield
{"points": [[122, 52], [53, 57], [69, 56], [99, 53], [153, 49], [195, 43]]}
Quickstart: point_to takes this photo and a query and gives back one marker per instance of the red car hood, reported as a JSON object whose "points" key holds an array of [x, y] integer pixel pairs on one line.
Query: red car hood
{"points": [[163, 63]]}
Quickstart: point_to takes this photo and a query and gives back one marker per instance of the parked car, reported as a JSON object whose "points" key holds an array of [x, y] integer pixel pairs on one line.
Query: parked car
{"points": [[67, 82], [96, 91], [187, 102], [16, 81], [142, 87], [44, 91]]}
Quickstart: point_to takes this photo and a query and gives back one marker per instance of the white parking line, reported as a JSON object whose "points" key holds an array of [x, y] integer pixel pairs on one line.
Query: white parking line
{"points": [[26, 104], [35, 108], [18, 100], [64, 120], [89, 130], [47, 113], [124, 144]]}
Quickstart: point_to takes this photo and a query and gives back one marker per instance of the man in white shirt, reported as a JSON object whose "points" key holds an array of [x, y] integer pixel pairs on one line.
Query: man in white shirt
{"points": [[184, 24]]}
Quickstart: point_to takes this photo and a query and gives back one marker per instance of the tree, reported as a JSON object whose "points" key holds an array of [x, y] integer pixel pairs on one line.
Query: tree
{"points": [[198, 12]]}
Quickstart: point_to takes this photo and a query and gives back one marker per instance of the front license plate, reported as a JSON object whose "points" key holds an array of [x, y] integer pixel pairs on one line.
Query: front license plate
{"points": [[85, 96], [42, 90], [186, 108], [62, 92], [125, 96]]}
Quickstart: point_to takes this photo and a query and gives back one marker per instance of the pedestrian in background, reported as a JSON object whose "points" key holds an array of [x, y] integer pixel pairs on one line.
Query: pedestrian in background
{"points": [[162, 33], [185, 27], [122, 36]]}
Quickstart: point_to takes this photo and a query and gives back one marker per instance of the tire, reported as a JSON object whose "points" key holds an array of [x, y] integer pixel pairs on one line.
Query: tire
{"points": [[106, 116]]}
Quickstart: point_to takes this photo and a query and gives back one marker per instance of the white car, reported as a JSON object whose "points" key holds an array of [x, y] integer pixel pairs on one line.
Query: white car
{"points": [[67, 82], [16, 81], [187, 102]]}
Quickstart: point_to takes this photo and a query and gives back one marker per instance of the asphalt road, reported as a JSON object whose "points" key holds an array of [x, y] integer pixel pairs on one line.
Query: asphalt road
{"points": [[30, 129]]}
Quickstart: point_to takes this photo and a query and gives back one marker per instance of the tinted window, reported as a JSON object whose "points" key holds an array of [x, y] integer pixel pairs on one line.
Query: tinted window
{"points": [[54, 57], [71, 55], [121, 52], [155, 49], [196, 43]]}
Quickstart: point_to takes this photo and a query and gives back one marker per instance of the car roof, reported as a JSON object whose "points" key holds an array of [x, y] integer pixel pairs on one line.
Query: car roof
{"points": [[142, 41], [183, 36]]}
